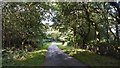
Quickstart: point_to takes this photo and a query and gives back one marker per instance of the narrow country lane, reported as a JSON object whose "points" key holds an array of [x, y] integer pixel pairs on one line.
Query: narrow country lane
{"points": [[55, 57]]}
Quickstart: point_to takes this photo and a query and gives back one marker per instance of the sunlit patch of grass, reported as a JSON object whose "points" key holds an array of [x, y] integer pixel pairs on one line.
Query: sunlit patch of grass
{"points": [[89, 58], [34, 58], [74, 51], [45, 45], [65, 47], [43, 50]]}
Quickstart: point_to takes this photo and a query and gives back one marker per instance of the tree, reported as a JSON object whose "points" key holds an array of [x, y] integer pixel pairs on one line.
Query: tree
{"points": [[22, 23]]}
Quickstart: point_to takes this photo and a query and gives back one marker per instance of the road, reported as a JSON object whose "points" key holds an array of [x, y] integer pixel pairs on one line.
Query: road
{"points": [[55, 57]]}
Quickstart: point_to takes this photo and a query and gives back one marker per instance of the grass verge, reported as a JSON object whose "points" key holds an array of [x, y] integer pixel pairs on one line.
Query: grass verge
{"points": [[91, 59], [34, 58]]}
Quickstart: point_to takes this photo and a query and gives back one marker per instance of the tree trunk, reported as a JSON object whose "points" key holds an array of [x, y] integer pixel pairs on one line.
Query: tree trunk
{"points": [[74, 39], [117, 33], [95, 37]]}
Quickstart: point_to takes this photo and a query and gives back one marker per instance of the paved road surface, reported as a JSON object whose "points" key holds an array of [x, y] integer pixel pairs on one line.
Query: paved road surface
{"points": [[55, 57]]}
